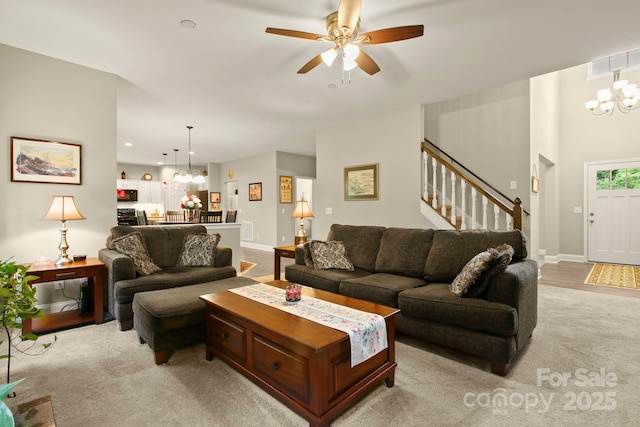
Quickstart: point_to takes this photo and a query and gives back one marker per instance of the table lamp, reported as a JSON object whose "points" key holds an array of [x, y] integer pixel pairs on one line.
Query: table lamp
{"points": [[63, 208], [301, 211]]}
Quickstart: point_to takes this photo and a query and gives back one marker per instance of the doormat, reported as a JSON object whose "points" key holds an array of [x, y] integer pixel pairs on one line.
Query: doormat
{"points": [[37, 412], [614, 275], [245, 266]]}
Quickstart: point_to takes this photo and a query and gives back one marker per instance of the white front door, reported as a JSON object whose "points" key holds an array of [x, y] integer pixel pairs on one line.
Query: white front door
{"points": [[613, 212]]}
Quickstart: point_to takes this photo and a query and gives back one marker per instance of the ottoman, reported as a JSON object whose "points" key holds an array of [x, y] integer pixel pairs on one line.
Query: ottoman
{"points": [[168, 319]]}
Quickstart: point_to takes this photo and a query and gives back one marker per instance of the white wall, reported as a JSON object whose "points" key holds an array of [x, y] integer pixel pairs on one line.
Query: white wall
{"points": [[393, 141], [294, 165], [49, 99]]}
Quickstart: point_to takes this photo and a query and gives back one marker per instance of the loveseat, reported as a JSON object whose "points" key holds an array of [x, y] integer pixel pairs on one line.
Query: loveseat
{"points": [[177, 256], [414, 269]]}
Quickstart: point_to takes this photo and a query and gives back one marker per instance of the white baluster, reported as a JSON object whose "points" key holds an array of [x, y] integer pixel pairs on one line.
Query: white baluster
{"points": [[463, 188], [434, 200], [453, 198], [443, 210], [485, 201], [509, 221], [474, 197], [496, 216]]}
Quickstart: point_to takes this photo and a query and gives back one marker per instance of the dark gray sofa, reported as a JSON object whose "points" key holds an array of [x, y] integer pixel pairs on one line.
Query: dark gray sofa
{"points": [[411, 269], [164, 245]]}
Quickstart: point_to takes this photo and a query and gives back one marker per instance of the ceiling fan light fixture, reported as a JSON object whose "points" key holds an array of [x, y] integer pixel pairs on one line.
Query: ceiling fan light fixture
{"points": [[328, 56], [351, 51], [348, 64]]}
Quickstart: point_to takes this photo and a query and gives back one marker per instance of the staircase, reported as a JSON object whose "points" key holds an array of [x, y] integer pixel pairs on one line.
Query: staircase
{"points": [[455, 198]]}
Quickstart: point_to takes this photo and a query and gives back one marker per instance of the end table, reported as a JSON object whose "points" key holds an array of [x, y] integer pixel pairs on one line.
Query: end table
{"points": [[282, 252]]}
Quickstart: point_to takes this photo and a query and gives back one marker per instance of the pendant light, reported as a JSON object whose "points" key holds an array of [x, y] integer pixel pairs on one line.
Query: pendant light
{"points": [[176, 174], [164, 170]]}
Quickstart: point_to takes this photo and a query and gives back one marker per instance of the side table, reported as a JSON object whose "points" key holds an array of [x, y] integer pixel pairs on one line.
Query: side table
{"points": [[282, 252], [91, 268]]}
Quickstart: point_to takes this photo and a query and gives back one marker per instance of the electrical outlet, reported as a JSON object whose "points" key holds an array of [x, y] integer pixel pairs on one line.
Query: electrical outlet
{"points": [[58, 286]]}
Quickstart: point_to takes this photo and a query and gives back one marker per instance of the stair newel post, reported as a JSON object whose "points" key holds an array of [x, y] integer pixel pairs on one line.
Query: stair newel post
{"points": [[453, 198], [425, 176], [474, 201], [485, 202], [463, 204], [517, 214], [434, 200], [443, 210]]}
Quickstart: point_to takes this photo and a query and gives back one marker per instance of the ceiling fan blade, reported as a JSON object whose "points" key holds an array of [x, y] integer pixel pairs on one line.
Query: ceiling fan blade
{"points": [[315, 61], [348, 14], [294, 33], [393, 34], [367, 64]]}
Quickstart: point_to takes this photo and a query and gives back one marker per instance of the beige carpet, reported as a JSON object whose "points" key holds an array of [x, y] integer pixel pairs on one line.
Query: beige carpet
{"points": [[614, 275], [100, 376]]}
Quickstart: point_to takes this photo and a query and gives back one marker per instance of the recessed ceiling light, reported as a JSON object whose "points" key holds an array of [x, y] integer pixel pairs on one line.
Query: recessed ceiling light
{"points": [[188, 24], [128, 144], [332, 85]]}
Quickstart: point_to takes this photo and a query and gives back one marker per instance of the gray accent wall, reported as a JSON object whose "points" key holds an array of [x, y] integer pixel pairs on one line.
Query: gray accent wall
{"points": [[49, 99]]}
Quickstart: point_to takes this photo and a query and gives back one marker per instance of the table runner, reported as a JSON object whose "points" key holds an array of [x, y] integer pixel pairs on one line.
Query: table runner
{"points": [[367, 331]]}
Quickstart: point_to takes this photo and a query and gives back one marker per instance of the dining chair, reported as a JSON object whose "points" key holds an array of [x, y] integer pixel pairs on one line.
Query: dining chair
{"points": [[174, 216], [231, 216], [142, 217], [211, 216]]}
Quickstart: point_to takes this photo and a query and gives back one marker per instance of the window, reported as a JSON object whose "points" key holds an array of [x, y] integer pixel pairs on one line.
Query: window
{"points": [[618, 179]]}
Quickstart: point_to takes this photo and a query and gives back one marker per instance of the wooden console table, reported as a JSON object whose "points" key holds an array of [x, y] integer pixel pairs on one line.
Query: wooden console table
{"points": [[282, 252], [91, 268]]}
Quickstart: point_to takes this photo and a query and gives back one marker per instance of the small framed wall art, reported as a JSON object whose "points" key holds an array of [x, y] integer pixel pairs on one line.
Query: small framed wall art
{"points": [[49, 162], [214, 197], [286, 189], [361, 182], [255, 192]]}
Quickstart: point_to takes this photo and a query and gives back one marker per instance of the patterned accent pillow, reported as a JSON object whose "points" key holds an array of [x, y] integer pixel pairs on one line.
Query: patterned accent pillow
{"points": [[134, 246], [199, 250], [472, 271], [505, 254], [306, 252], [331, 254]]}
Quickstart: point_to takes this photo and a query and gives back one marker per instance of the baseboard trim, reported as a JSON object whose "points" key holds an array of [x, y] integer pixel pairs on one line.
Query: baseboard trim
{"points": [[554, 259], [56, 307], [266, 248]]}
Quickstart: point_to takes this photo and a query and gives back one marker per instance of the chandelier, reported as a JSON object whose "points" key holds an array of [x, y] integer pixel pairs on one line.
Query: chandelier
{"points": [[622, 95], [190, 175]]}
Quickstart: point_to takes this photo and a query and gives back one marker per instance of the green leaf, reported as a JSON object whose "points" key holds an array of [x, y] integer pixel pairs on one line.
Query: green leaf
{"points": [[5, 389]]}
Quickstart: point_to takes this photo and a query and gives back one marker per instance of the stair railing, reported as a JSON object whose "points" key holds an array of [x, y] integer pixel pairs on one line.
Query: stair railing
{"points": [[445, 201]]}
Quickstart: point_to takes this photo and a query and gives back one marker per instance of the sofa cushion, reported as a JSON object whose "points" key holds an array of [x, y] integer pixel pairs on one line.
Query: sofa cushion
{"points": [[164, 243], [452, 249], [381, 288], [327, 280], [328, 255], [434, 302], [505, 255], [133, 246], [199, 250], [306, 254], [362, 243], [472, 271], [404, 251]]}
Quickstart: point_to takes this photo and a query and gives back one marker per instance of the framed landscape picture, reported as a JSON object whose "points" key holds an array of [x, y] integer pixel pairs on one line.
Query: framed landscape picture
{"points": [[286, 189], [49, 162], [255, 192], [361, 182]]}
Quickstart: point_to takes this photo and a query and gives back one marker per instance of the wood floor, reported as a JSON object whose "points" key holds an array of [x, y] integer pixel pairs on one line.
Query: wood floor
{"points": [[564, 274]]}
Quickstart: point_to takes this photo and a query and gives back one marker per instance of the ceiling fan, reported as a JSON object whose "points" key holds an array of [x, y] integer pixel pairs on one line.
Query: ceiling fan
{"points": [[342, 29]]}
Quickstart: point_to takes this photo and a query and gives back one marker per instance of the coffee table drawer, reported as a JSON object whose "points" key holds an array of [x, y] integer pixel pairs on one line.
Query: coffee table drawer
{"points": [[226, 336], [278, 365]]}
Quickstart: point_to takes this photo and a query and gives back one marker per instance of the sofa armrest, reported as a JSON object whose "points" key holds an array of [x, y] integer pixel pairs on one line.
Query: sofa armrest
{"points": [[299, 255], [517, 286], [223, 257], [118, 267]]}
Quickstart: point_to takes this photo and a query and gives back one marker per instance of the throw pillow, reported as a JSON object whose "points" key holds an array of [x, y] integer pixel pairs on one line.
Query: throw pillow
{"points": [[505, 255], [198, 250], [328, 255], [472, 271], [134, 246], [306, 252]]}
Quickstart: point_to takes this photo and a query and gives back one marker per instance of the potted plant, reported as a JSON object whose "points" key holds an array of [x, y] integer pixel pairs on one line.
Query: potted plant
{"points": [[17, 302]]}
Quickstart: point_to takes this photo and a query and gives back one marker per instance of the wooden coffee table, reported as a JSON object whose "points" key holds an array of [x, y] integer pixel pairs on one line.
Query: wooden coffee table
{"points": [[302, 363]]}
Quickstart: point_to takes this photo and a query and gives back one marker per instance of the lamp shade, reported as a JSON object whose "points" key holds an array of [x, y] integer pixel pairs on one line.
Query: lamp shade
{"points": [[302, 210], [63, 208]]}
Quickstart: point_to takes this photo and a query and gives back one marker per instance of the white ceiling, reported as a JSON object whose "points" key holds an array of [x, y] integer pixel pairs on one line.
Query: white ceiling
{"points": [[238, 85]]}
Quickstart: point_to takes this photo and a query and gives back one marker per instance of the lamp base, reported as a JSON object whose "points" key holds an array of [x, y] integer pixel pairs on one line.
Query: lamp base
{"points": [[300, 240], [63, 260]]}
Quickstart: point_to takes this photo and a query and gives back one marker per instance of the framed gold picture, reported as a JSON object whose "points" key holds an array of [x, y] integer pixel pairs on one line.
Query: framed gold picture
{"points": [[535, 184], [51, 162], [361, 182], [286, 189]]}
